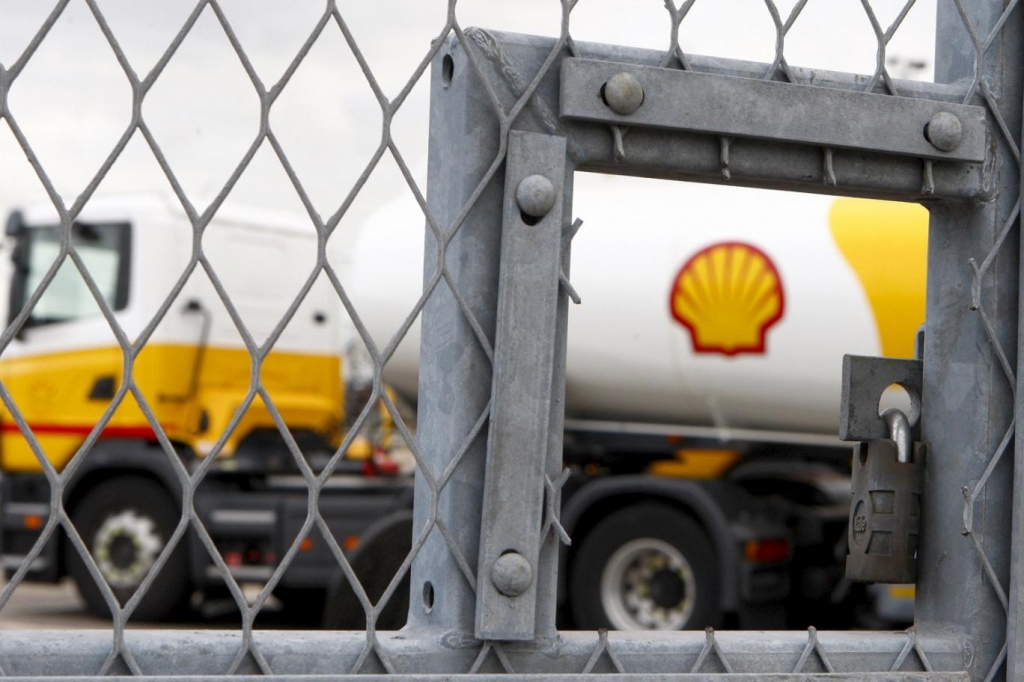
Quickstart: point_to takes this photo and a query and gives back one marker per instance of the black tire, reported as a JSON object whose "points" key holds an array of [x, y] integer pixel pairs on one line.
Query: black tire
{"points": [[637, 540], [375, 563], [302, 606], [170, 592]]}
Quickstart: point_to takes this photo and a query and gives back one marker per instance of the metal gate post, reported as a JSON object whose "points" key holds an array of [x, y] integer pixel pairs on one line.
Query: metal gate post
{"points": [[968, 401], [455, 366], [467, 174], [1014, 633]]}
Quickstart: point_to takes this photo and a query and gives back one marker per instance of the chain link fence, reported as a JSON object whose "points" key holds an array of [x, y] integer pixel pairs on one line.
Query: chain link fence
{"points": [[481, 575]]}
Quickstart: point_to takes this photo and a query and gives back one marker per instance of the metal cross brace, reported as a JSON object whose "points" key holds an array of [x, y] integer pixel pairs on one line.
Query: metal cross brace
{"points": [[528, 289]]}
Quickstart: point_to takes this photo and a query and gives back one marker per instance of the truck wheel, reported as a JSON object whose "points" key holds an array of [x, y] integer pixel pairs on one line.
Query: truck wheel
{"points": [[125, 523], [302, 605], [375, 563], [647, 567]]}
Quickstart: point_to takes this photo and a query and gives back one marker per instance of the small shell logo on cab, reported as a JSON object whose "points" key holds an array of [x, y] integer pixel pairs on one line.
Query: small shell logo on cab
{"points": [[728, 296]]}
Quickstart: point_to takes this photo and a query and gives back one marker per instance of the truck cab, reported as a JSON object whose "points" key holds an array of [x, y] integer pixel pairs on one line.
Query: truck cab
{"points": [[136, 382]]}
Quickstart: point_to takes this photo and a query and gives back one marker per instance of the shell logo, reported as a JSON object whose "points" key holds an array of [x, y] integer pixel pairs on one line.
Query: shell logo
{"points": [[728, 295]]}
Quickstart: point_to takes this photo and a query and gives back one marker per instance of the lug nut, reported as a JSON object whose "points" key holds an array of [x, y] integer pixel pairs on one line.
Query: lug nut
{"points": [[623, 93], [511, 574], [944, 131], [535, 196]]}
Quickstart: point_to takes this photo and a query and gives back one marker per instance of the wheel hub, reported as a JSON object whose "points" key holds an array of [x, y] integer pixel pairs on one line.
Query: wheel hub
{"points": [[122, 552], [667, 589], [125, 548], [647, 584]]}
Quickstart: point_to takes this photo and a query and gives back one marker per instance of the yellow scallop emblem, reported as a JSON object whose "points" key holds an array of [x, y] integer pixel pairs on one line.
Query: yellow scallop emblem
{"points": [[727, 296]]}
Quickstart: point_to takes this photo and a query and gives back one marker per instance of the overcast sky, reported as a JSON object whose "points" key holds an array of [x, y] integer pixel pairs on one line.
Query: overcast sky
{"points": [[73, 102]]}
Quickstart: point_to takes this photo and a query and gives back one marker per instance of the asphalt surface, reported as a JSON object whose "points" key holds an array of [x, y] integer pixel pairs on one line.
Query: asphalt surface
{"points": [[50, 607], [47, 607]]}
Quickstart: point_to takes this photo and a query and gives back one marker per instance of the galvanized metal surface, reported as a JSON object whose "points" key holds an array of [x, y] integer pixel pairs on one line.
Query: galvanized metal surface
{"points": [[524, 350], [461, 260], [782, 112], [970, 348], [708, 677], [421, 652], [864, 381], [507, 62], [1014, 634], [1015, 612]]}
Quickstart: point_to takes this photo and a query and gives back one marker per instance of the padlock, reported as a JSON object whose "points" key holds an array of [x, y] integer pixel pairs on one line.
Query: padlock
{"points": [[885, 516]]}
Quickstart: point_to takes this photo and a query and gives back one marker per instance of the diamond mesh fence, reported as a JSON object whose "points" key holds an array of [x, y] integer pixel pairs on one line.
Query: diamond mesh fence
{"points": [[241, 313]]}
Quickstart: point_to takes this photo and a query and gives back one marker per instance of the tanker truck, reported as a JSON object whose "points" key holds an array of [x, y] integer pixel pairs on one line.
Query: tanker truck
{"points": [[702, 390], [707, 484]]}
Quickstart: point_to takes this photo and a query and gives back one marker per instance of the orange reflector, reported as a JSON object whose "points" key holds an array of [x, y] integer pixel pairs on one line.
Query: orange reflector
{"points": [[33, 521], [767, 551], [351, 542], [306, 545]]}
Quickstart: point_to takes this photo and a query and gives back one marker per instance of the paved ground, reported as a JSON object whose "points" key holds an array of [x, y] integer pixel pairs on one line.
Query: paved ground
{"points": [[46, 607], [49, 607]]}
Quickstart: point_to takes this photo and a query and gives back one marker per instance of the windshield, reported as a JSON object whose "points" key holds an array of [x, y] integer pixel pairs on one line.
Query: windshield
{"points": [[104, 249]]}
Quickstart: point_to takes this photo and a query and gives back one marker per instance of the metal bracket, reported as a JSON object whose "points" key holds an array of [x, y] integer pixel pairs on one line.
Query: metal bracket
{"points": [[528, 294], [744, 107], [864, 380]]}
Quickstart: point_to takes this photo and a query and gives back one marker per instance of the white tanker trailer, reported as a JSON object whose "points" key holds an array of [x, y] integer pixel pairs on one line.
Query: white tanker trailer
{"points": [[703, 304], [702, 388]]}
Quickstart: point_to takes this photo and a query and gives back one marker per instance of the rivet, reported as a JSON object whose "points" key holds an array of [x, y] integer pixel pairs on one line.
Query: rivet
{"points": [[944, 131], [623, 93], [511, 574], [535, 196]]}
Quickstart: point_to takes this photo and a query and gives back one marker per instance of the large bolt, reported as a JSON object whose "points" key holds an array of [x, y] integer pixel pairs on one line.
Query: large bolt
{"points": [[535, 196], [623, 93], [511, 574], [944, 131]]}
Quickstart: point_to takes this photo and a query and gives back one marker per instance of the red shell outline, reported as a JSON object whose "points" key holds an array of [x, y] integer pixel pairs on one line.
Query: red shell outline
{"points": [[760, 347]]}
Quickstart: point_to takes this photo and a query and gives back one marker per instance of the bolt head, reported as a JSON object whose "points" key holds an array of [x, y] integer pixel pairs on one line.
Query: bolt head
{"points": [[623, 93], [944, 131], [535, 196], [511, 574]]}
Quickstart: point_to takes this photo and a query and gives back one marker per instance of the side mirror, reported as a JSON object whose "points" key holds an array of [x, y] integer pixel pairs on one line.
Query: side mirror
{"points": [[15, 224], [15, 228], [19, 256]]}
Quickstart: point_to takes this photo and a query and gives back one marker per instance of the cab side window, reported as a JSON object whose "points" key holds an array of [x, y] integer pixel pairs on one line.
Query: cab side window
{"points": [[105, 251]]}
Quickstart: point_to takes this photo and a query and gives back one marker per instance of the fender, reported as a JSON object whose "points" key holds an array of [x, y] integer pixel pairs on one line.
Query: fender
{"points": [[382, 549], [383, 534], [695, 496], [108, 458], [123, 456]]}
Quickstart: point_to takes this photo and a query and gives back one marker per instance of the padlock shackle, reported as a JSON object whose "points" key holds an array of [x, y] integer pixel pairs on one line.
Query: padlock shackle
{"points": [[899, 432]]}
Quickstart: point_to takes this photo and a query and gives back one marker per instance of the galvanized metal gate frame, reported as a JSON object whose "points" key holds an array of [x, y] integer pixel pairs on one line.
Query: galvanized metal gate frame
{"points": [[497, 291], [694, 128]]}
